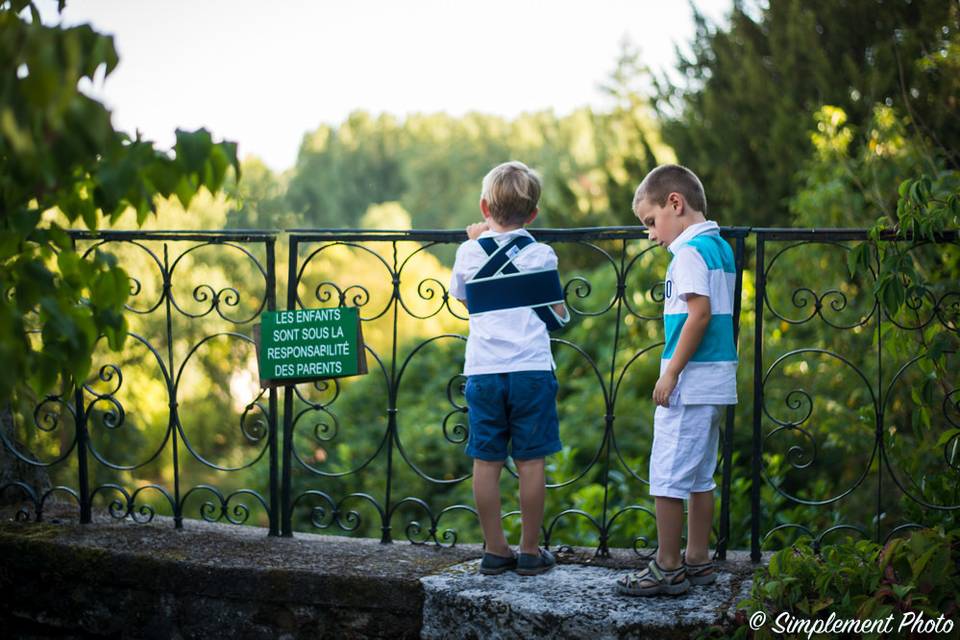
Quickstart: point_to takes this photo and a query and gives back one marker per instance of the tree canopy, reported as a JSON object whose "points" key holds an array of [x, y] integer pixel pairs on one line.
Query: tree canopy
{"points": [[59, 151], [743, 114]]}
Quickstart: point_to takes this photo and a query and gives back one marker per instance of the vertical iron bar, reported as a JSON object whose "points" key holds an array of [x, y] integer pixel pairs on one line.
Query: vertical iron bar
{"points": [[272, 425], [760, 293], [603, 549], [83, 477], [724, 540], [880, 406], [171, 392], [287, 517], [286, 523], [82, 473], [385, 534]]}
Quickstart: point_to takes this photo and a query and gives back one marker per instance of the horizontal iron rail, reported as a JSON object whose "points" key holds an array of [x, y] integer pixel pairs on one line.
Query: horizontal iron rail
{"points": [[235, 235], [447, 235], [786, 233]]}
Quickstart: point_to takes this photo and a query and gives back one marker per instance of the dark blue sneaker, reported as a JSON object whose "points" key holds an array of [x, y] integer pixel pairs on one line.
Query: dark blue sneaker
{"points": [[492, 565], [533, 565]]}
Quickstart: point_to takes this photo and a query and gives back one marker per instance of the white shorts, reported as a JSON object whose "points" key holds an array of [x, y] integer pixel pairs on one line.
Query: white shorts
{"points": [[684, 455]]}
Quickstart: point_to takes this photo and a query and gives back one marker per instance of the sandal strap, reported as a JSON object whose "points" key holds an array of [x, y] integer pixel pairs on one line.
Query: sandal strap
{"points": [[654, 574], [671, 575], [654, 569], [683, 558]]}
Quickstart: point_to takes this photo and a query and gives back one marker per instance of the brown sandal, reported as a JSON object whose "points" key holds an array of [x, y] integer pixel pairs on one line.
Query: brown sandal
{"points": [[654, 580], [700, 574]]}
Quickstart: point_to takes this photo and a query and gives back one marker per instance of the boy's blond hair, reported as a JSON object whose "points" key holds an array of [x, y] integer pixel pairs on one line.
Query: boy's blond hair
{"points": [[669, 178], [512, 191]]}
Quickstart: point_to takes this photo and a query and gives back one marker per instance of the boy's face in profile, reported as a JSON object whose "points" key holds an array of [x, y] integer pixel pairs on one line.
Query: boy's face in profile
{"points": [[663, 223]]}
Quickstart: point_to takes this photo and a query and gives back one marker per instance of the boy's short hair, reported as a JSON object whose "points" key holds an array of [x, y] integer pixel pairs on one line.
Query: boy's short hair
{"points": [[667, 178], [512, 191]]}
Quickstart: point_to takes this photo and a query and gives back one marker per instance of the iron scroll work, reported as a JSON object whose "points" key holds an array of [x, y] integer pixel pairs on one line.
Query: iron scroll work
{"points": [[297, 463], [892, 440], [607, 461], [94, 441]]}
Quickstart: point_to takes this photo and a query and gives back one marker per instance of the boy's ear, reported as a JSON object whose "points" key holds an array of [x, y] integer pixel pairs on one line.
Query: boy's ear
{"points": [[533, 216], [484, 208], [677, 202]]}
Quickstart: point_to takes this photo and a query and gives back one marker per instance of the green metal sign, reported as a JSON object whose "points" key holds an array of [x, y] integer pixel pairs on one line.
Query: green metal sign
{"points": [[309, 344]]}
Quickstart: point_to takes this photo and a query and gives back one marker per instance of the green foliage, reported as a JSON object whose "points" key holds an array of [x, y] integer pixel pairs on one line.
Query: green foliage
{"points": [[741, 119], [855, 580], [260, 199], [59, 151], [433, 164]]}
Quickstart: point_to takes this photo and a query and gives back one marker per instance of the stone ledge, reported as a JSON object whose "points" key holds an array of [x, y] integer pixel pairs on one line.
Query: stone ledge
{"points": [[212, 580], [570, 602], [127, 580]]}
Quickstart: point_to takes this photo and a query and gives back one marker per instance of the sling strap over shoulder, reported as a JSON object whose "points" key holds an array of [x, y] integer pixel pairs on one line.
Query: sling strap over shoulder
{"points": [[498, 284]]}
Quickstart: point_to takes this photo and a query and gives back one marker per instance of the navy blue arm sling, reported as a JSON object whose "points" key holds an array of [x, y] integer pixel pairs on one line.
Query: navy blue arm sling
{"points": [[500, 285]]}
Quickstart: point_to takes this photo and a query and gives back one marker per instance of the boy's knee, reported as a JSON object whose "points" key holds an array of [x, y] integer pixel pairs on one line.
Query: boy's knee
{"points": [[487, 464], [531, 465]]}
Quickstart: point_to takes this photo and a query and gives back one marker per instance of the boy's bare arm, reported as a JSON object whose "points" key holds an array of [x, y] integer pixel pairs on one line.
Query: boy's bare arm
{"points": [[561, 309], [698, 317]]}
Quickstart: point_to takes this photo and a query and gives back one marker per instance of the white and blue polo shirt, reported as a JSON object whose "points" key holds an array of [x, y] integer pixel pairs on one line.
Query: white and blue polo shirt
{"points": [[702, 264]]}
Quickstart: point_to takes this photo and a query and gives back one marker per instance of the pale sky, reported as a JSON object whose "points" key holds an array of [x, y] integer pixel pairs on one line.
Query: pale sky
{"points": [[264, 73]]}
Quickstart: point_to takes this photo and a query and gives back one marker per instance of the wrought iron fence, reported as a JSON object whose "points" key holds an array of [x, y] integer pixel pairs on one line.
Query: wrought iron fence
{"points": [[384, 451], [580, 251], [97, 450], [853, 410]]}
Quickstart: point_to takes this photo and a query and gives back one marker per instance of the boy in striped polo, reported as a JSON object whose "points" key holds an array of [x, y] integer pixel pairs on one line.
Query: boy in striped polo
{"points": [[697, 377]]}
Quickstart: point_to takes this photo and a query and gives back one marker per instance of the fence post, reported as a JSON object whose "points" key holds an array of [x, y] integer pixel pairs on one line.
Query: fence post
{"points": [[724, 537], [755, 461], [286, 524], [83, 476], [386, 535], [274, 405]]}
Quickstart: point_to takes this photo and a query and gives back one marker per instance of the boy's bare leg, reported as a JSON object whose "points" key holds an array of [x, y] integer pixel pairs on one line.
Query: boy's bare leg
{"points": [[486, 493], [699, 524], [532, 496], [669, 529]]}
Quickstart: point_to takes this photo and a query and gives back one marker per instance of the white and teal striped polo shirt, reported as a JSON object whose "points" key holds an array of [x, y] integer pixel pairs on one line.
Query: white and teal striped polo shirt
{"points": [[702, 264]]}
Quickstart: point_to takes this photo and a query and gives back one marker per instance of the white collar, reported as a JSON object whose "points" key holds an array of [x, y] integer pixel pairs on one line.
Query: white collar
{"points": [[691, 232], [496, 234]]}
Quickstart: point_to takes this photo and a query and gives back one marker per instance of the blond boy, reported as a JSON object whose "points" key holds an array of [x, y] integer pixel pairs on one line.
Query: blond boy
{"points": [[511, 388]]}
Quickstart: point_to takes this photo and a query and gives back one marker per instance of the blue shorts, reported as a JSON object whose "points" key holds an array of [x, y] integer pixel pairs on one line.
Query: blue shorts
{"points": [[519, 408]]}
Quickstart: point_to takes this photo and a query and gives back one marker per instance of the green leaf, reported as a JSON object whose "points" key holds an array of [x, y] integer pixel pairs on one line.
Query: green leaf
{"points": [[116, 332], [893, 295], [772, 589], [926, 391], [185, 190], [60, 238], [941, 345], [25, 221], [193, 149], [853, 259], [904, 187], [947, 436], [902, 589]]}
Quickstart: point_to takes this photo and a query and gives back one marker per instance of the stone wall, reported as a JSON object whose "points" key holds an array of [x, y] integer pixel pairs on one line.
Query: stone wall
{"points": [[126, 580]]}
